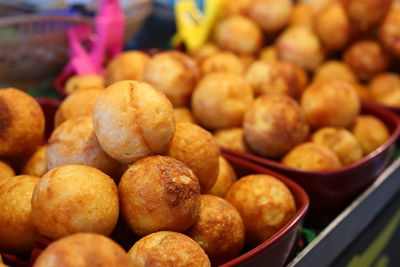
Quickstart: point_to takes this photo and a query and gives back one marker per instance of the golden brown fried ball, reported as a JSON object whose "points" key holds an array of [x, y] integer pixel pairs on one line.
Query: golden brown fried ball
{"points": [[159, 193], [175, 74], [204, 52], [129, 65], [275, 77], [371, 132], [77, 82], [330, 103], [74, 198], [231, 138], [316, 5], [341, 141], [366, 58], [301, 46], [218, 229], [83, 250], [36, 164], [264, 203], [75, 142], [271, 15], [268, 53], [166, 248], [5, 171], [183, 114], [312, 156], [385, 89], [220, 100], [21, 123], [302, 15], [226, 178], [79, 103], [238, 34], [333, 27], [274, 124], [17, 232], [334, 69], [197, 148], [133, 120], [389, 31], [237, 7], [222, 62]]}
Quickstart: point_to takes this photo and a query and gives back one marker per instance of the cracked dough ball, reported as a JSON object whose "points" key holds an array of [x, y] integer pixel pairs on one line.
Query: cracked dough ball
{"points": [[226, 178], [36, 164], [78, 82]]}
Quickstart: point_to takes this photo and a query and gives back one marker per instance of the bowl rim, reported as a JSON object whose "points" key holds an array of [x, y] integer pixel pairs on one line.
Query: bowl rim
{"points": [[372, 108], [297, 191]]}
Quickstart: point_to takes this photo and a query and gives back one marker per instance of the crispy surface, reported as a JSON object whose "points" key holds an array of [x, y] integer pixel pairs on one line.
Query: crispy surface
{"points": [[231, 138], [226, 178], [36, 164], [78, 82]]}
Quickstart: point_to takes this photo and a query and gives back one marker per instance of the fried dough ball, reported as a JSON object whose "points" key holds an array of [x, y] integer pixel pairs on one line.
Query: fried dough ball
{"points": [[74, 198], [389, 31], [218, 229], [226, 178], [183, 114], [197, 148], [268, 53], [367, 13], [36, 164], [231, 138], [312, 156], [271, 15], [220, 100], [237, 7], [274, 124], [330, 103], [301, 46], [159, 193], [175, 74], [333, 27], [239, 34], [385, 89], [264, 203], [17, 232], [371, 132], [302, 15], [21, 123], [129, 65], [222, 62], [366, 58], [275, 77], [316, 5], [5, 171], [133, 120], [75, 142], [204, 52], [83, 250], [77, 82], [334, 69], [341, 141], [166, 248]]}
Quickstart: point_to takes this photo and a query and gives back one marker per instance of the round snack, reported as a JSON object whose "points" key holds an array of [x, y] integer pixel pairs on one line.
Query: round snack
{"points": [[330, 103], [83, 250], [268, 53], [389, 32], [238, 34], [271, 15], [77, 82], [385, 89], [204, 52], [333, 27], [159, 193], [36, 164], [5, 171], [168, 249], [366, 58], [371, 132], [197, 148], [275, 77], [74, 142], [334, 69], [264, 203], [303, 15], [218, 229], [21, 122], [183, 114], [226, 178], [220, 100], [133, 120], [74, 198], [231, 138], [273, 125], [79, 103], [17, 232], [175, 74], [129, 65], [341, 141], [222, 62], [312, 156], [301, 46], [237, 7]]}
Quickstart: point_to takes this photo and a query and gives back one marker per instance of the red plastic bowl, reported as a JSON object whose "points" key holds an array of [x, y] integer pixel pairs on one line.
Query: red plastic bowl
{"points": [[329, 191]]}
